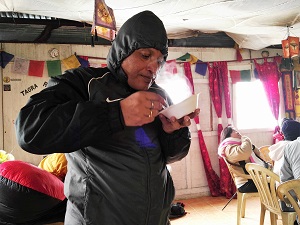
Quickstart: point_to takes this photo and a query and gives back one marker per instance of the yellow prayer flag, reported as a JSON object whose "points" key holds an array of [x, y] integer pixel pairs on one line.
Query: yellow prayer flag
{"points": [[193, 59], [71, 62]]}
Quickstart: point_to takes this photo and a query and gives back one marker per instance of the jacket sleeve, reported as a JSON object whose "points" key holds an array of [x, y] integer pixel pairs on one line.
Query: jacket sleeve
{"points": [[235, 153], [61, 118], [175, 146]]}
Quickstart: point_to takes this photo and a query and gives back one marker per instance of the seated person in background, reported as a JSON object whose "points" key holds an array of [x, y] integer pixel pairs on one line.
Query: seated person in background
{"points": [[291, 130], [56, 164], [236, 150], [290, 168]]}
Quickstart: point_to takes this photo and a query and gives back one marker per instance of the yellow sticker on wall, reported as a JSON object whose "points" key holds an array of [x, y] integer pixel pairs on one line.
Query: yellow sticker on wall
{"points": [[6, 79]]}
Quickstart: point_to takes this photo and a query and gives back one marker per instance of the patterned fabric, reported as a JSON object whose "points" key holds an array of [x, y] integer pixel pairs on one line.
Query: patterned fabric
{"points": [[212, 178], [269, 75], [188, 74], [218, 83]]}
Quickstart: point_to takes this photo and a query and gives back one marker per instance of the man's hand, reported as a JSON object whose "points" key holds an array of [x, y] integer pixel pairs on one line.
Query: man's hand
{"points": [[172, 124], [141, 108]]}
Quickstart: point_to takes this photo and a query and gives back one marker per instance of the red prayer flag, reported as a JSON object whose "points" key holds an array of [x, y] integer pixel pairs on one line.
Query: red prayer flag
{"points": [[235, 76], [36, 68]]}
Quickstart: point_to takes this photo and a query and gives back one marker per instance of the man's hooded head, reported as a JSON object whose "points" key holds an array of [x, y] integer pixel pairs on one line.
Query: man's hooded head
{"points": [[143, 30], [290, 129]]}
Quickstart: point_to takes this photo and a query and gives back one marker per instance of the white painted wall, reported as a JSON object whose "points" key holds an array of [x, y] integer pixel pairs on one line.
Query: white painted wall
{"points": [[188, 174]]}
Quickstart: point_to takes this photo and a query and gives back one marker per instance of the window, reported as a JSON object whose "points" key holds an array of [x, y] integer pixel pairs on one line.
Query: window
{"points": [[250, 106], [177, 86]]}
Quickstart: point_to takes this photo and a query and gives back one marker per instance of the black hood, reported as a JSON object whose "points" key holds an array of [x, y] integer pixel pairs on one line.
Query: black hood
{"points": [[143, 30]]}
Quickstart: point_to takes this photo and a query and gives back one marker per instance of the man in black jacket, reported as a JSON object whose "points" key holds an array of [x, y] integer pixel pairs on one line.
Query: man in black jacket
{"points": [[107, 122]]}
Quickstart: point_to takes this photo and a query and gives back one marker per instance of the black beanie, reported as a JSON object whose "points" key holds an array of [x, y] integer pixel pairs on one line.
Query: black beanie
{"points": [[290, 130]]}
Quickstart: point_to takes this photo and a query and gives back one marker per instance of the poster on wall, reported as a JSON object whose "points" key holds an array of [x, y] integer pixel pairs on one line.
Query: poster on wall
{"points": [[288, 94]]}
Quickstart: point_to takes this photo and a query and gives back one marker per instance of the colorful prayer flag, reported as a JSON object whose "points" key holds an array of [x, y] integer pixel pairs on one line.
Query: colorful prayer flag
{"points": [[20, 66], [240, 75], [83, 60], [36, 68], [5, 58], [201, 67], [71, 62], [54, 68], [185, 57], [193, 59]]}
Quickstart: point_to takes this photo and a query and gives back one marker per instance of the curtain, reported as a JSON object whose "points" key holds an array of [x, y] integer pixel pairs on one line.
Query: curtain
{"points": [[269, 75], [215, 80], [211, 176], [218, 84]]}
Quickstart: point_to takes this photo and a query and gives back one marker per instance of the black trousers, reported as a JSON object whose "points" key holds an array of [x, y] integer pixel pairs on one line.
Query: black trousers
{"points": [[248, 187]]}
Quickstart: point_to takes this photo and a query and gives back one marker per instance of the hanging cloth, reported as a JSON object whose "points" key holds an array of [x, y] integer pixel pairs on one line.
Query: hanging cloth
{"points": [[211, 176], [218, 84], [269, 75], [227, 184]]}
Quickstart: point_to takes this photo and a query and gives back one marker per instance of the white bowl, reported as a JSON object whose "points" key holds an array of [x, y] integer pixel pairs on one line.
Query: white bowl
{"points": [[183, 108]]}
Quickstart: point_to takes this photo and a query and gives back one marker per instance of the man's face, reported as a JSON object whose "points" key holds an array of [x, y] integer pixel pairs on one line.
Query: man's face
{"points": [[142, 66]]}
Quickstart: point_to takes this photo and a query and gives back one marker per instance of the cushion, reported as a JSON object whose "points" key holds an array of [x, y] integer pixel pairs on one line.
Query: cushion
{"points": [[29, 195]]}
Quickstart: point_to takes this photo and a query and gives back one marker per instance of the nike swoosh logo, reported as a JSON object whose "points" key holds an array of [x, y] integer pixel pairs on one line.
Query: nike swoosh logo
{"points": [[114, 100]]}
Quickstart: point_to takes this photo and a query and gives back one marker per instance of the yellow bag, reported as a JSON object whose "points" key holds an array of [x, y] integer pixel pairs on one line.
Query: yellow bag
{"points": [[56, 164]]}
